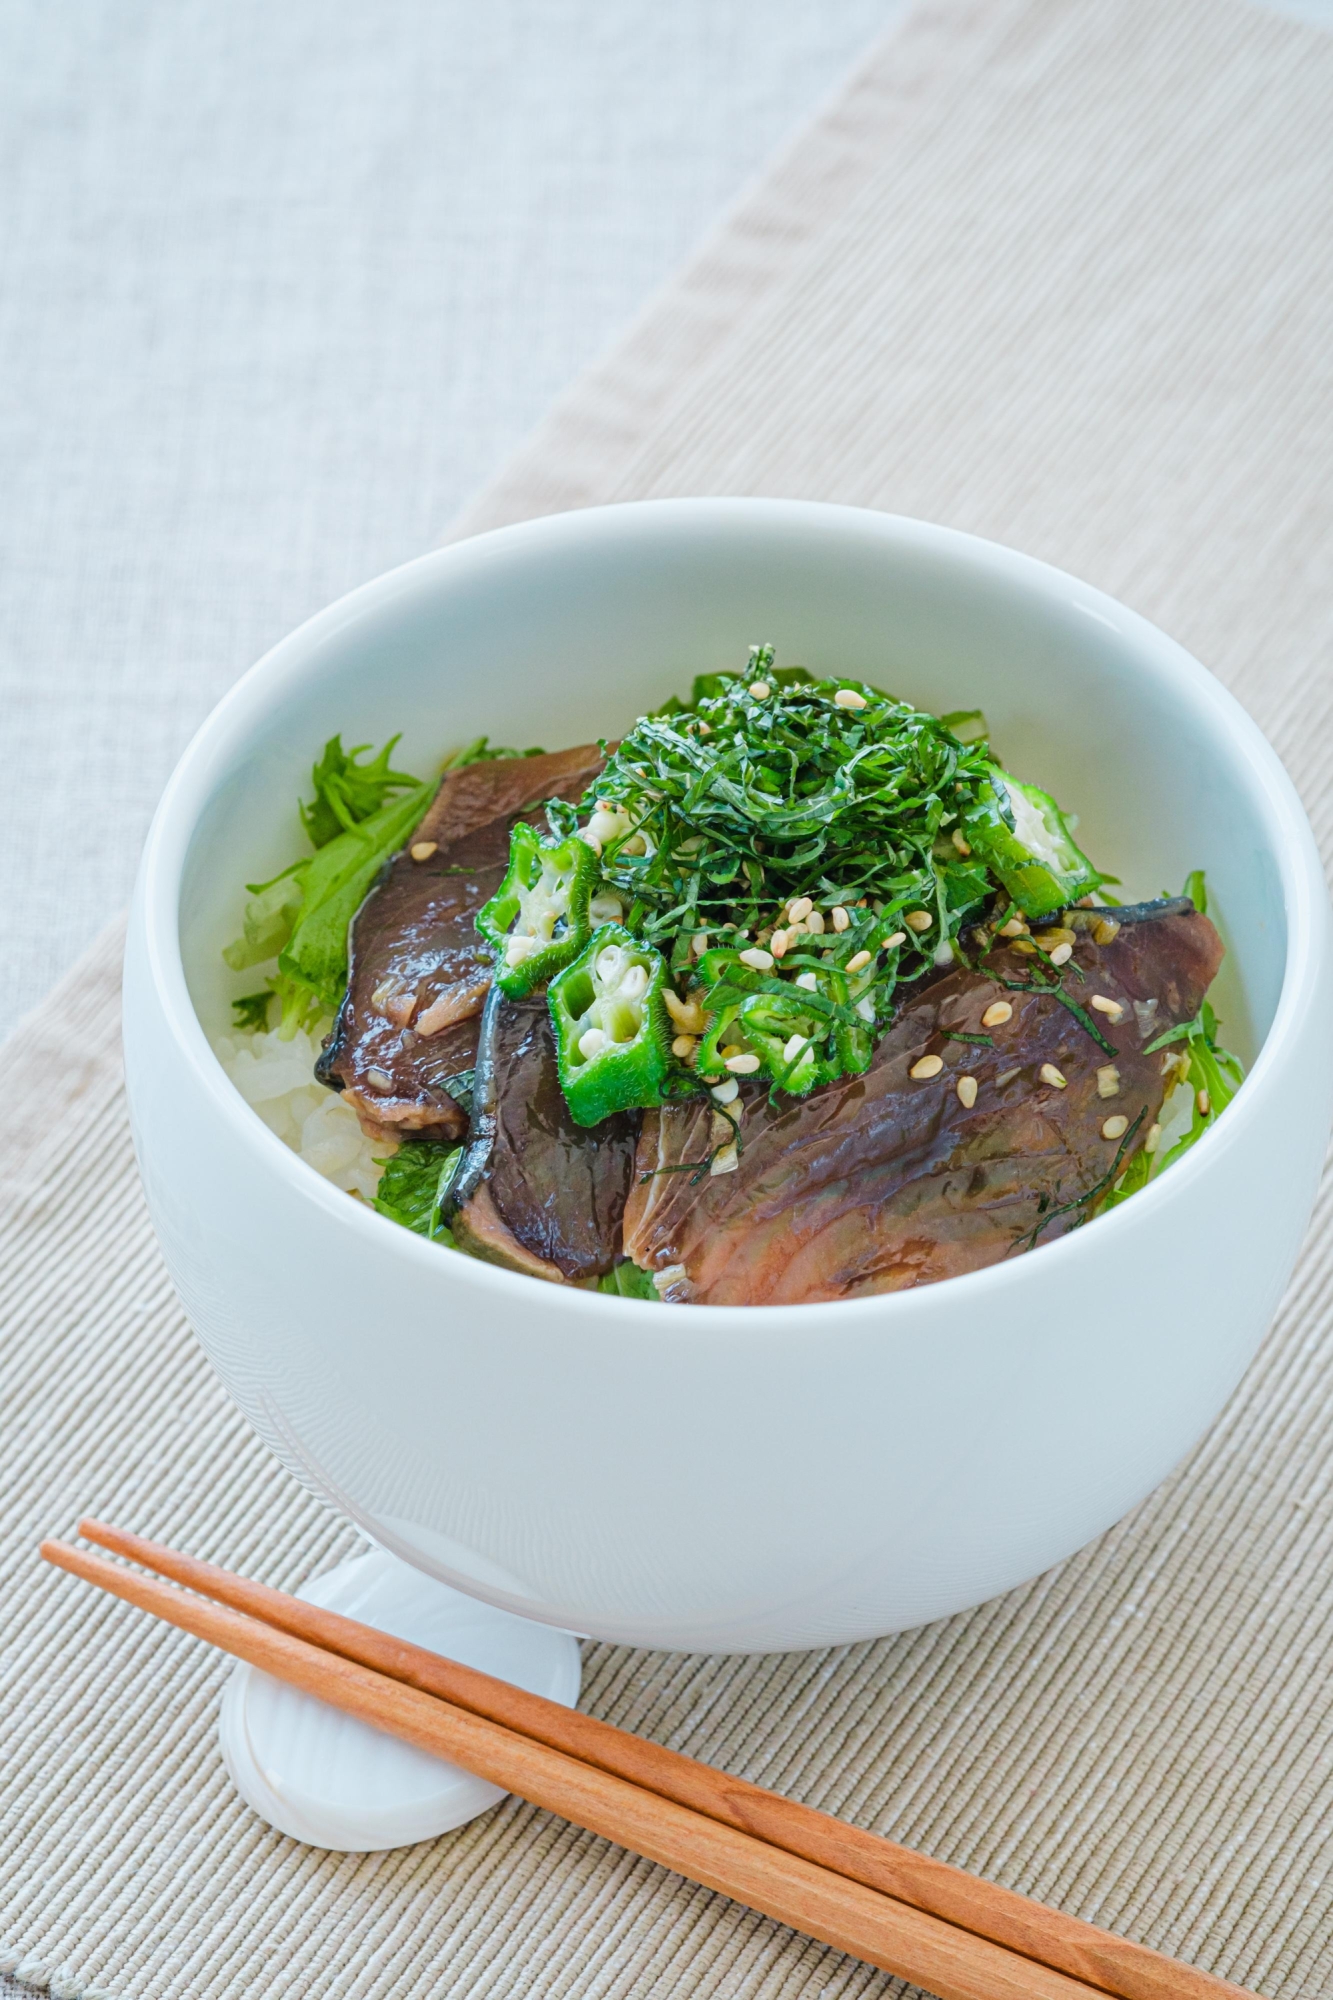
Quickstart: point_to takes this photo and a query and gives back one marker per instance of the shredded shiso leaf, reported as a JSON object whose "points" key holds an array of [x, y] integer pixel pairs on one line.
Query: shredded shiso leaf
{"points": [[737, 804], [715, 815]]}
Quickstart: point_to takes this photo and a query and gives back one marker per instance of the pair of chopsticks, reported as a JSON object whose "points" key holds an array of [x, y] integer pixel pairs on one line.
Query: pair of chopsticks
{"points": [[958, 1936]]}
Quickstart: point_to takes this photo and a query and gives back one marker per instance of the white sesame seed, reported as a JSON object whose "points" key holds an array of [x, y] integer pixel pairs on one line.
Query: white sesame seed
{"points": [[380, 1078], [967, 1091], [779, 943], [422, 850], [1108, 1081], [798, 911], [1050, 1074], [699, 943], [892, 943], [858, 960], [757, 959], [918, 920], [959, 842], [684, 1013], [760, 690], [1111, 1008], [1014, 928], [814, 923], [704, 728], [997, 1014], [793, 1047], [591, 1043], [726, 1093], [841, 920], [1153, 1140], [927, 1066], [849, 698], [809, 980], [1115, 1128], [1205, 1103], [1062, 954], [742, 1065], [684, 1045]]}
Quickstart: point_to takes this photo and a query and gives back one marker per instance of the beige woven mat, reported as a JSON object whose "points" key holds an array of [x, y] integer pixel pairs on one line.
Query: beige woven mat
{"points": [[1060, 273]]}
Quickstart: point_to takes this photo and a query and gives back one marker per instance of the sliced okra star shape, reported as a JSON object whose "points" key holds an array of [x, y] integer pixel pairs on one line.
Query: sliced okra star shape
{"points": [[1021, 835], [538, 917], [612, 1030]]}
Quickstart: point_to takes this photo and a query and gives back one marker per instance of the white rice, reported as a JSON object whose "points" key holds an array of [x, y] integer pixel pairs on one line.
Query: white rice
{"points": [[276, 1079]]}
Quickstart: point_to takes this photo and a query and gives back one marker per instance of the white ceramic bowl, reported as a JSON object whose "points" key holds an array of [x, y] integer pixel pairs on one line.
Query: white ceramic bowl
{"points": [[704, 1477]]}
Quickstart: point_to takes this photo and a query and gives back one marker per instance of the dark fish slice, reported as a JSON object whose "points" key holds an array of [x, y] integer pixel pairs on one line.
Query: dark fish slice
{"points": [[533, 1188], [416, 961], [883, 1181]]}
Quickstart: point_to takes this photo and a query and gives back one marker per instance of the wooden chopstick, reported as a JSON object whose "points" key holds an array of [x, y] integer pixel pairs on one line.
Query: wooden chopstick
{"points": [[1115, 1965], [953, 1963], [1046, 1939]]}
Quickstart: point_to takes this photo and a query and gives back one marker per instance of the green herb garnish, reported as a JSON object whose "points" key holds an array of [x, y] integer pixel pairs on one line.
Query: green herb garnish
{"points": [[300, 917], [1213, 1075], [312, 966], [348, 791], [361, 814], [627, 1281], [413, 1185], [795, 846], [1054, 989], [252, 1011]]}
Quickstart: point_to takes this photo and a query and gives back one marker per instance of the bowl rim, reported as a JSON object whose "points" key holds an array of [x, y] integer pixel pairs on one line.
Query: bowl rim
{"points": [[205, 762]]}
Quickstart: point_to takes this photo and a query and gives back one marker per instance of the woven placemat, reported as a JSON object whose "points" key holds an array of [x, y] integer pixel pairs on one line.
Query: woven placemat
{"points": [[1062, 274]]}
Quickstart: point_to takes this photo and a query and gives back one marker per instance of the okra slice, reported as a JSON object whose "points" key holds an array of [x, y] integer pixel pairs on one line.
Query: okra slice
{"points": [[795, 1047], [612, 1029], [538, 919], [1022, 835]]}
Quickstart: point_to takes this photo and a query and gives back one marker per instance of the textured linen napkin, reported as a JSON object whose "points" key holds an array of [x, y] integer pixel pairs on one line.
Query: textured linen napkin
{"points": [[1059, 272]]}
